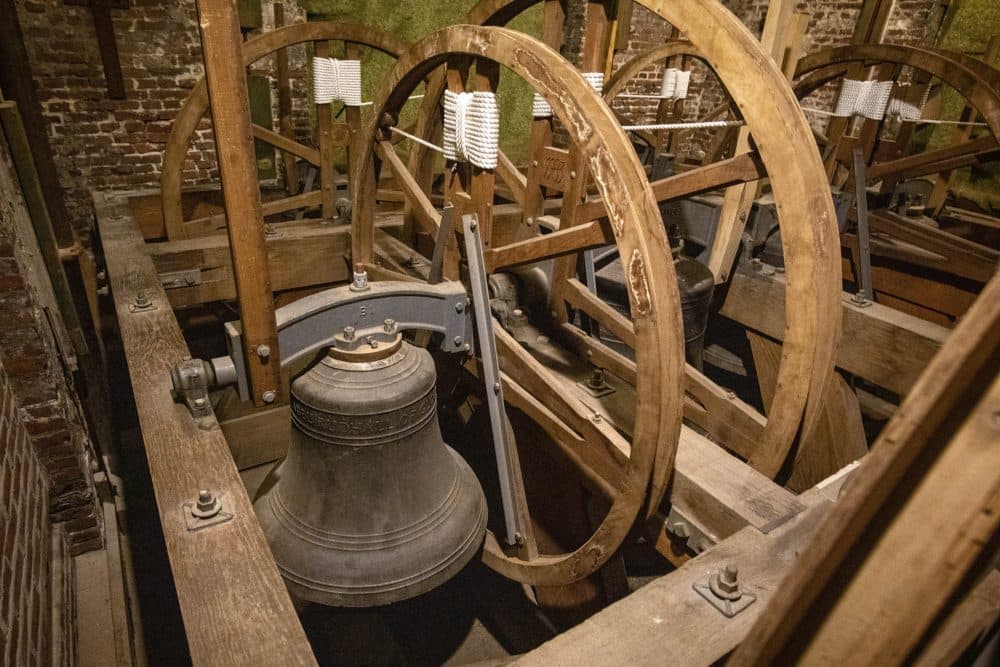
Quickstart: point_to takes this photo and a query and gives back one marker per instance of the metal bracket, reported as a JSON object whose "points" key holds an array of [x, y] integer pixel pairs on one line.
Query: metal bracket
{"points": [[507, 467], [191, 379], [183, 278], [312, 323], [866, 295]]}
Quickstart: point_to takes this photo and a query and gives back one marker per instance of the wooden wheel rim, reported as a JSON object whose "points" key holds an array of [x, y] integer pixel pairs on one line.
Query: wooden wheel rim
{"points": [[978, 83], [196, 105], [652, 291], [805, 209]]}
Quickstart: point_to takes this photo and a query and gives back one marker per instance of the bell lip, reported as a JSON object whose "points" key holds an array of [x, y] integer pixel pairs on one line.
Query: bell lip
{"points": [[391, 592]]}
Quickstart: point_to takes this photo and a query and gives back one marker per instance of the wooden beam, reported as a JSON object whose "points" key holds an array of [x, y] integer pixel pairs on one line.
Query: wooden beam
{"points": [[227, 90], [18, 85], [666, 622], [287, 146], [878, 343], [324, 130], [907, 535], [235, 607], [739, 199], [286, 122], [296, 257]]}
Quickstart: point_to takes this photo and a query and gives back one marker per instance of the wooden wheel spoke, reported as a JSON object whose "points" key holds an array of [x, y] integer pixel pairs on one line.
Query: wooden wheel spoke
{"points": [[711, 407], [310, 155], [428, 216], [743, 168], [595, 446], [512, 177], [593, 234]]}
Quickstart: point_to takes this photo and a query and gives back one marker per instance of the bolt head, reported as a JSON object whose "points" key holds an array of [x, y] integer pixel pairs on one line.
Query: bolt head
{"points": [[200, 402], [458, 341], [596, 417], [473, 226], [496, 387], [389, 325], [529, 221], [269, 396], [349, 333], [572, 174], [263, 351], [459, 307]]}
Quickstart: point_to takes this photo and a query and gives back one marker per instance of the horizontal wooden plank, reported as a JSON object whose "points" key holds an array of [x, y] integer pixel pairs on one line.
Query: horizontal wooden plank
{"points": [[297, 257], [880, 344], [235, 607], [667, 622]]}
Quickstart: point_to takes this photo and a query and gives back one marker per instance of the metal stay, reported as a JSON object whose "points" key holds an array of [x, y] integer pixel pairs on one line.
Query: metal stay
{"points": [[506, 454], [865, 295]]}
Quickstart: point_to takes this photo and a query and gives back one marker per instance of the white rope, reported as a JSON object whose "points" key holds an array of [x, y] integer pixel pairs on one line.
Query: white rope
{"points": [[675, 84], [413, 137], [920, 121], [540, 108], [472, 128], [337, 80], [694, 125], [864, 98], [596, 81]]}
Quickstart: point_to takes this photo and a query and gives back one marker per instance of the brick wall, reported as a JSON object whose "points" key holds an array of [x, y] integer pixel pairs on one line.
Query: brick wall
{"points": [[48, 404], [25, 598], [912, 22], [104, 144]]}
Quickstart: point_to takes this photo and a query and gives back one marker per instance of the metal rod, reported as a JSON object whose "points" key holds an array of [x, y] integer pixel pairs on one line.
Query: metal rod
{"points": [[864, 237], [506, 455]]}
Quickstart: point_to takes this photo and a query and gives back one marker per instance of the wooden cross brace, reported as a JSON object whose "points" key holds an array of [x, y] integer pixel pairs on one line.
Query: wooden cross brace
{"points": [[101, 11]]}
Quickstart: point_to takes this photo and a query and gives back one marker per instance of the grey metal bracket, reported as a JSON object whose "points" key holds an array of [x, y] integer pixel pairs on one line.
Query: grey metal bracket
{"points": [[866, 295], [183, 278], [506, 455], [191, 379], [312, 323]]}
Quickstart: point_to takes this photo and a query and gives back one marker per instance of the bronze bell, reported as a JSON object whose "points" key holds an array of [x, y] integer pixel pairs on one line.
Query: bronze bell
{"points": [[370, 506]]}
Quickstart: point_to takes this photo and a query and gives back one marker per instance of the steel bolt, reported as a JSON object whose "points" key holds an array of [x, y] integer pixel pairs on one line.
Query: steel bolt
{"points": [[572, 174], [206, 506], [460, 307], [725, 583], [372, 342], [473, 226], [263, 351], [596, 380], [534, 163], [200, 403], [348, 333], [458, 341], [529, 221], [596, 417], [389, 324], [141, 299], [496, 387], [269, 396], [519, 539]]}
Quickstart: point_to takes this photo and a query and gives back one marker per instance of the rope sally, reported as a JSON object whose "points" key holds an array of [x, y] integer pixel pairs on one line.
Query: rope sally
{"points": [[472, 128], [338, 80]]}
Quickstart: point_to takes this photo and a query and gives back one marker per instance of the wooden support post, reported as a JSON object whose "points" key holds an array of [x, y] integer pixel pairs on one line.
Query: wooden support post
{"points": [[285, 120], [34, 199], [227, 90], [483, 181], [352, 51], [939, 195], [105, 29], [17, 85], [597, 33], [553, 18], [324, 124], [739, 199]]}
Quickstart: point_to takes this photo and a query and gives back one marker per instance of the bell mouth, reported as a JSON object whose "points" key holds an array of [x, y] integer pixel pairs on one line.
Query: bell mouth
{"points": [[375, 350]]}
